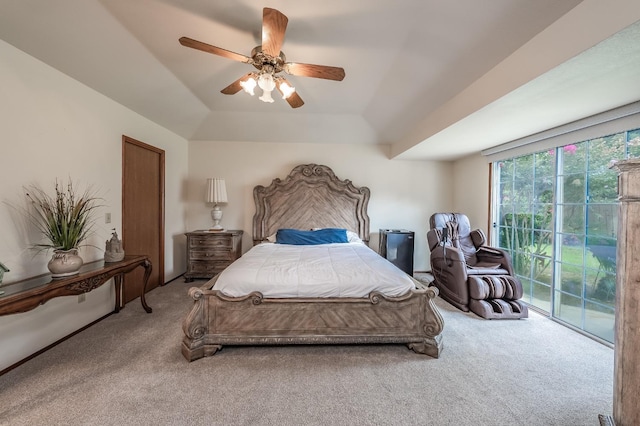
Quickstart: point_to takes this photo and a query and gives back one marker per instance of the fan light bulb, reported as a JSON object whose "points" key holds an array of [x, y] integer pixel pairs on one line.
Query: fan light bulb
{"points": [[266, 83], [266, 97], [249, 85], [286, 89]]}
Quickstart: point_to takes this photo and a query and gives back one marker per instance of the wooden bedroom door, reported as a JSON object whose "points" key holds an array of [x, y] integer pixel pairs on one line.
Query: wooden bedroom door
{"points": [[142, 211]]}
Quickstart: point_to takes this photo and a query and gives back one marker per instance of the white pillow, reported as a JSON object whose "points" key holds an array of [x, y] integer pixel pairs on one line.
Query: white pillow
{"points": [[352, 237]]}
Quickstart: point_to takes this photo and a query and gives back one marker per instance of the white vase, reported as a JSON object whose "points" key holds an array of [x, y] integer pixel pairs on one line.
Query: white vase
{"points": [[64, 263]]}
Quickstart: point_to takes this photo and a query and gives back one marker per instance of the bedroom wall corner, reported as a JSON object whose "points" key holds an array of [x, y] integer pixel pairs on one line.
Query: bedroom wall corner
{"points": [[471, 190]]}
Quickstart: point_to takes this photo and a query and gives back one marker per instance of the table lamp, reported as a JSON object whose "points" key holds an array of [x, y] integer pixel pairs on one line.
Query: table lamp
{"points": [[216, 194]]}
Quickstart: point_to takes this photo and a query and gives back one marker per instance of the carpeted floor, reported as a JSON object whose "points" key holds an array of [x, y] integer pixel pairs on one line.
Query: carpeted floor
{"points": [[128, 370]]}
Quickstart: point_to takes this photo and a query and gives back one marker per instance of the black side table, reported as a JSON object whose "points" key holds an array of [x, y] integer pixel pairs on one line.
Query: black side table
{"points": [[396, 245]]}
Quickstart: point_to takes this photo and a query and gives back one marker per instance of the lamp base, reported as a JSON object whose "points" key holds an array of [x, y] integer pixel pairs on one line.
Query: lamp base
{"points": [[216, 215]]}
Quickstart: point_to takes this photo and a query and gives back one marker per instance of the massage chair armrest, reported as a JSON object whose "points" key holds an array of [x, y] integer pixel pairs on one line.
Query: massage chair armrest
{"points": [[451, 260], [450, 273], [495, 255]]}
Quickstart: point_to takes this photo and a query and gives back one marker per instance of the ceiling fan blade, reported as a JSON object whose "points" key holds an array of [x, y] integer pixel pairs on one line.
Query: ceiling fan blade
{"points": [[235, 87], [293, 99], [195, 44], [315, 71], [274, 25]]}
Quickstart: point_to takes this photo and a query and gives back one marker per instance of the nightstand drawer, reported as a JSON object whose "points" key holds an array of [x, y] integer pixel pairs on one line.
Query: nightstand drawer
{"points": [[221, 254], [207, 268], [218, 241]]}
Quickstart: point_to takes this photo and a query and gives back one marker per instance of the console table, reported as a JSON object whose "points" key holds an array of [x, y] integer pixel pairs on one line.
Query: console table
{"points": [[23, 296]]}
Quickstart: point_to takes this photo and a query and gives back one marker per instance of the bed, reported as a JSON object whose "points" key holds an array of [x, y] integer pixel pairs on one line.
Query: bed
{"points": [[311, 197]]}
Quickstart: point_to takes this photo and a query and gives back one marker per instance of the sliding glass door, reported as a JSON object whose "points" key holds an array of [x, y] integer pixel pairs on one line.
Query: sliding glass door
{"points": [[525, 225], [556, 213]]}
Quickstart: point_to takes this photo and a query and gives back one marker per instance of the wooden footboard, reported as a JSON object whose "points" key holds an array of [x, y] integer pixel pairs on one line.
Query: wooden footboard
{"points": [[216, 320]]}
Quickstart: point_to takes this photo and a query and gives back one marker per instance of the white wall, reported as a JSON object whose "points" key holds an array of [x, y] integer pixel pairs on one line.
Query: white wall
{"points": [[55, 127], [403, 193], [470, 176]]}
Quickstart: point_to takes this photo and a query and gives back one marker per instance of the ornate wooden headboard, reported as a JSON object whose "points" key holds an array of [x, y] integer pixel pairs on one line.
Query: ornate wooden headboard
{"points": [[310, 197]]}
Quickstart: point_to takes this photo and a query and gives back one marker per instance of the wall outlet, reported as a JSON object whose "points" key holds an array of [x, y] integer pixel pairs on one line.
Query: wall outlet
{"points": [[82, 297], [107, 218]]}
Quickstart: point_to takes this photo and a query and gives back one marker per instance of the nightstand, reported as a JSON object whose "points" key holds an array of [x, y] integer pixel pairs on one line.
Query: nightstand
{"points": [[209, 252]]}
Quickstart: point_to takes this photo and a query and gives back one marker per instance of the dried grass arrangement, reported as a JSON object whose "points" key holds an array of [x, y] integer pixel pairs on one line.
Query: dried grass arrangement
{"points": [[66, 218]]}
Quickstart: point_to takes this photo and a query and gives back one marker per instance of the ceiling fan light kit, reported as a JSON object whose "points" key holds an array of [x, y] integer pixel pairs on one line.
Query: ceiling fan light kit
{"points": [[270, 62], [267, 84], [248, 85], [285, 89]]}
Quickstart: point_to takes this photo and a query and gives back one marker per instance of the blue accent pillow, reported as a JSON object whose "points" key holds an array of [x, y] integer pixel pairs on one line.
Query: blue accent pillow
{"points": [[321, 236]]}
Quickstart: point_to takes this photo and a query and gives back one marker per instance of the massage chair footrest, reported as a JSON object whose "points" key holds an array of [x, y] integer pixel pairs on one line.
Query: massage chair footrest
{"points": [[496, 297], [499, 309]]}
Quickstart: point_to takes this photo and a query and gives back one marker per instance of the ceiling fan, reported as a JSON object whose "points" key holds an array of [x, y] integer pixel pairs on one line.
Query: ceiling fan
{"points": [[270, 62]]}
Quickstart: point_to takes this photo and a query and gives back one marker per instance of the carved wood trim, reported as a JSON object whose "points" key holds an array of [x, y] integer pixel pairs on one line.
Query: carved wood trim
{"points": [[626, 377], [311, 196], [412, 319]]}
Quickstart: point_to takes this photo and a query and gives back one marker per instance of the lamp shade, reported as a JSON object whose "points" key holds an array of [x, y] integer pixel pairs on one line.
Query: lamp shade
{"points": [[216, 191]]}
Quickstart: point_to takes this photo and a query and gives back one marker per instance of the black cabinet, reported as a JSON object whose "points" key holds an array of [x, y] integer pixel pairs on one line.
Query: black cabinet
{"points": [[396, 245]]}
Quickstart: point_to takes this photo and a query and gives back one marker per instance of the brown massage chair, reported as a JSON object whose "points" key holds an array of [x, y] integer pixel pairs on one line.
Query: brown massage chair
{"points": [[469, 274]]}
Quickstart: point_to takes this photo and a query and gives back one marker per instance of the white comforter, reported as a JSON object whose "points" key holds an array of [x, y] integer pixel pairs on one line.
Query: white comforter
{"points": [[326, 270]]}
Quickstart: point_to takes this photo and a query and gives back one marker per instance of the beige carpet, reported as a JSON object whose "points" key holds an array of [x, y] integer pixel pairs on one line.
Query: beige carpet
{"points": [[128, 370]]}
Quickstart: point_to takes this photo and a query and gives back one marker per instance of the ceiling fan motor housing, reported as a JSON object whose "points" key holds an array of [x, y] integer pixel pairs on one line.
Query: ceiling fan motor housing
{"points": [[261, 59]]}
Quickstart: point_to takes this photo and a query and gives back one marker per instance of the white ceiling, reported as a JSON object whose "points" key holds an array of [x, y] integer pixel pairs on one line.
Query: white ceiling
{"points": [[435, 79]]}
